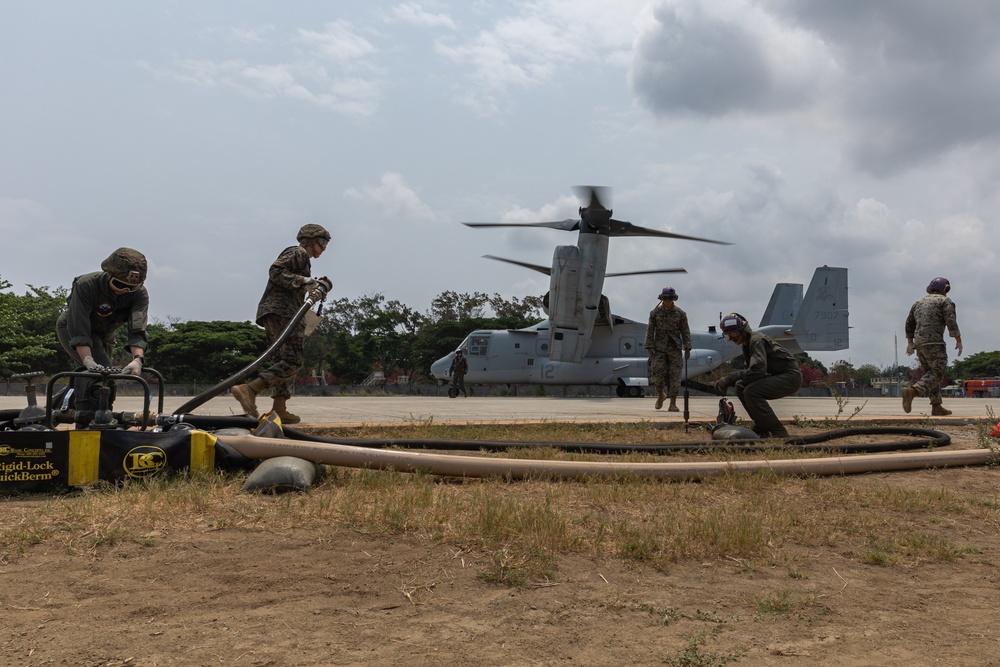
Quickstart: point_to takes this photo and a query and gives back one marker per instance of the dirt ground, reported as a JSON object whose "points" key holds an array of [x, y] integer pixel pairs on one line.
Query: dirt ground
{"points": [[207, 596]]}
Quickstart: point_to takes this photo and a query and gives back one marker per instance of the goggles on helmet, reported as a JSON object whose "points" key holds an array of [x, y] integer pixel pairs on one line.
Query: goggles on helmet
{"points": [[122, 286]]}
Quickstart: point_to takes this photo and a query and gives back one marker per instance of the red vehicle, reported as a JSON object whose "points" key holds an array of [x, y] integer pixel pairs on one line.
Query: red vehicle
{"points": [[982, 388]]}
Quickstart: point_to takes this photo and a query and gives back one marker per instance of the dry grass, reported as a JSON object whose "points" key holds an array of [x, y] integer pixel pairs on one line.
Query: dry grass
{"points": [[521, 528]]}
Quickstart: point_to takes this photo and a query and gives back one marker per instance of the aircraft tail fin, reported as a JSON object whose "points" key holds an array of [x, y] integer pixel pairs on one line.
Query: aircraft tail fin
{"points": [[822, 320], [786, 300]]}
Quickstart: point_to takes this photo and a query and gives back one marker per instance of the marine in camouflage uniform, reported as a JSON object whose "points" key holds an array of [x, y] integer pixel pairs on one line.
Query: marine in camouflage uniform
{"points": [[925, 326], [99, 304], [288, 283], [668, 342]]}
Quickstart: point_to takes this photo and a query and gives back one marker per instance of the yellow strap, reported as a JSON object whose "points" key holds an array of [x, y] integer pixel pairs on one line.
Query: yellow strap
{"points": [[84, 458], [202, 451]]}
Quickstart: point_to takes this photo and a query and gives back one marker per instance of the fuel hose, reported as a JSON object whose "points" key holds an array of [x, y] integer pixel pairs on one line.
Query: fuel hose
{"points": [[314, 296]]}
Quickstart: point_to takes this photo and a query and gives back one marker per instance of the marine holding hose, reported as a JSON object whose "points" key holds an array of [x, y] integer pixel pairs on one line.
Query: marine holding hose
{"points": [[772, 372], [288, 284]]}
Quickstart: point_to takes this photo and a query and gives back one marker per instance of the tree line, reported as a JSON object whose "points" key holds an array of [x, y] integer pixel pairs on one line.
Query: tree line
{"points": [[355, 338]]}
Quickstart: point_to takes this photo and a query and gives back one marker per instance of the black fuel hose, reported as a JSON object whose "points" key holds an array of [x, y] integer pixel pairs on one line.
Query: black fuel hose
{"points": [[209, 394]]}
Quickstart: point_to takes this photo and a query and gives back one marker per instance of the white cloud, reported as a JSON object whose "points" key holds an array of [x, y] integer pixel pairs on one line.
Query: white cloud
{"points": [[536, 45], [334, 70], [395, 197], [338, 43], [414, 13]]}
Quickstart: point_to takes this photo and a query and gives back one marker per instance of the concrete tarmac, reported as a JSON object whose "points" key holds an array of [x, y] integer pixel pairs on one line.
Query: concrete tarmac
{"points": [[397, 409]]}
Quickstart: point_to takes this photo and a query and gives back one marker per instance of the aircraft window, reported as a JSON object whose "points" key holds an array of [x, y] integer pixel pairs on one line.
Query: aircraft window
{"points": [[478, 345], [517, 346], [531, 362]]}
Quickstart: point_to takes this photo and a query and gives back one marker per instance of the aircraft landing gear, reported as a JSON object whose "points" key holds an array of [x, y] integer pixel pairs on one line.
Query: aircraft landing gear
{"points": [[631, 392]]}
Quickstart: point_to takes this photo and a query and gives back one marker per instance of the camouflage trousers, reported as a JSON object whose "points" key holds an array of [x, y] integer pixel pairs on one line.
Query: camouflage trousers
{"points": [[665, 370], [290, 356], [934, 362]]}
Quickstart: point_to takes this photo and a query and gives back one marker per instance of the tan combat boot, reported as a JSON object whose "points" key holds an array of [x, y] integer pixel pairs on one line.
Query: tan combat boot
{"points": [[908, 394], [940, 411], [246, 394], [660, 398], [673, 405], [283, 413]]}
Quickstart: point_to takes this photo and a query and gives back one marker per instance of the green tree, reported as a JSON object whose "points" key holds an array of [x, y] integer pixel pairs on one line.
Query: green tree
{"points": [[28, 330], [979, 365], [205, 352], [452, 306], [865, 373], [528, 309]]}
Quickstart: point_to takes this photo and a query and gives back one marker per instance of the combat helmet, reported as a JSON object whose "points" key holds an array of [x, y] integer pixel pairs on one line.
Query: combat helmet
{"points": [[312, 231], [126, 265], [668, 293], [939, 285], [734, 322]]}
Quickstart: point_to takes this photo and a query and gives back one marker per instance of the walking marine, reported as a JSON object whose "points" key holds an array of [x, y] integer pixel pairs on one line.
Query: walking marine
{"points": [[459, 367], [925, 326]]}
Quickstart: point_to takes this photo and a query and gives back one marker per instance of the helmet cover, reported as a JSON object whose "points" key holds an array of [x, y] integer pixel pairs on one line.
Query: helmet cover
{"points": [[939, 285], [668, 293], [126, 265], [734, 322], [312, 231]]}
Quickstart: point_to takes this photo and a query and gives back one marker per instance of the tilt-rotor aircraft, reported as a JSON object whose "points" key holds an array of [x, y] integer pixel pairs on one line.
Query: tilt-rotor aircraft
{"points": [[582, 342]]}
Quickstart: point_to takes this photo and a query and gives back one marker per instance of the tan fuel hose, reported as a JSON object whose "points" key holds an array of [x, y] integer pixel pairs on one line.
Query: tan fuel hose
{"points": [[476, 466]]}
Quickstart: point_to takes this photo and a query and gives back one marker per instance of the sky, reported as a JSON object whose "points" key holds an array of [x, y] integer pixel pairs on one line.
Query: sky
{"points": [[857, 133]]}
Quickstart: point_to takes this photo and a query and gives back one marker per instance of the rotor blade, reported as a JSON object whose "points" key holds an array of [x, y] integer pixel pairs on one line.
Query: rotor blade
{"points": [[534, 267], [567, 225], [643, 273], [594, 195], [622, 228]]}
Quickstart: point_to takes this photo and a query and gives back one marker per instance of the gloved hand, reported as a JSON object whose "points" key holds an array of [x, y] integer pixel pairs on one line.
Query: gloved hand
{"points": [[90, 364], [687, 354], [308, 282], [134, 367], [721, 385]]}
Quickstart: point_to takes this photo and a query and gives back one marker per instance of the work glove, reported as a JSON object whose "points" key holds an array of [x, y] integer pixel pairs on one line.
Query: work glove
{"points": [[134, 367], [721, 385], [687, 354], [90, 364]]}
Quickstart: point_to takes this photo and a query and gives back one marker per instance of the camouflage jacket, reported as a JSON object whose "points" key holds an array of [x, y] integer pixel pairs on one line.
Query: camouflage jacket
{"points": [[94, 311], [285, 294], [667, 329], [928, 318], [764, 357]]}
